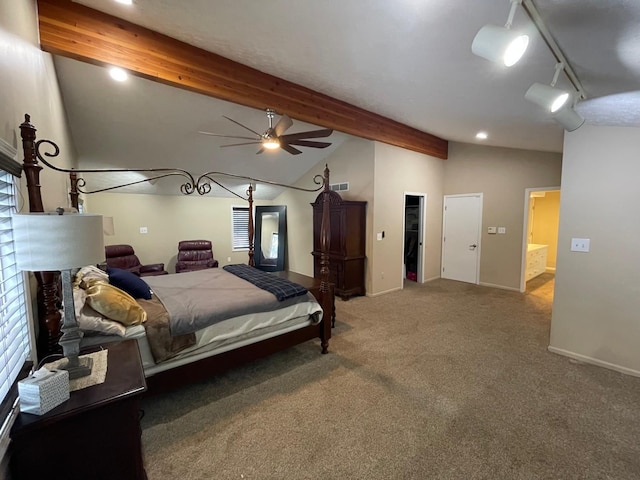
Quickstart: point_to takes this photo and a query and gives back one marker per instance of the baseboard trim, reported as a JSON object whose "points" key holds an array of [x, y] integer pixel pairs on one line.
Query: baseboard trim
{"points": [[594, 361], [382, 293], [501, 287], [438, 277]]}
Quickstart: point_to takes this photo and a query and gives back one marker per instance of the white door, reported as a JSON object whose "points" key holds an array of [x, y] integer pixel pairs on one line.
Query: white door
{"points": [[462, 221]]}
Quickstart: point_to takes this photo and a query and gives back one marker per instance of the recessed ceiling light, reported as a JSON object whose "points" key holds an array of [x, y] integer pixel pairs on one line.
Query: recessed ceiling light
{"points": [[482, 135], [125, 2], [118, 74]]}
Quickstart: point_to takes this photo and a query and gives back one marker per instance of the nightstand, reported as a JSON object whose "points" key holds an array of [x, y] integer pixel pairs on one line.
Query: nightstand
{"points": [[94, 435]]}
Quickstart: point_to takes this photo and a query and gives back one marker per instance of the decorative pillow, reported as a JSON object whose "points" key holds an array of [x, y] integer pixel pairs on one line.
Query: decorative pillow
{"points": [[90, 321], [90, 272], [114, 303], [129, 282]]}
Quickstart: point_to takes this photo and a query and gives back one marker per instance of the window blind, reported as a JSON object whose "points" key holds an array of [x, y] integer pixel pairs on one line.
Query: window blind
{"points": [[14, 332], [240, 228]]}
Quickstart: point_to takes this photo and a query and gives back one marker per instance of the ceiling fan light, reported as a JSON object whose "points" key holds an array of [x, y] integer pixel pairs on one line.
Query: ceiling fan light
{"points": [[550, 98], [500, 45], [271, 143]]}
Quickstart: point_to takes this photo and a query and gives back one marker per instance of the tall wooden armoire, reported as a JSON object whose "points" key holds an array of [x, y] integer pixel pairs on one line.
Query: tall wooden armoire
{"points": [[346, 244]]}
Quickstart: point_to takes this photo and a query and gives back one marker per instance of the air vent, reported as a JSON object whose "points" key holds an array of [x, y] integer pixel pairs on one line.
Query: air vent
{"points": [[339, 187]]}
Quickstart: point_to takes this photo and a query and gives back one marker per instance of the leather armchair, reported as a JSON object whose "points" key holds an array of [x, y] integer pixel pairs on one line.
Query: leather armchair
{"points": [[123, 256], [194, 255]]}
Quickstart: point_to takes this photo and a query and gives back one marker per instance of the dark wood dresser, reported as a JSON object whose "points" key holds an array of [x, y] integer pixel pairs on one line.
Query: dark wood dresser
{"points": [[94, 435], [346, 244]]}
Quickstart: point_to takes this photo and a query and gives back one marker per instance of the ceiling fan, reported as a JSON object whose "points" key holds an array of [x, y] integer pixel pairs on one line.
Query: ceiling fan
{"points": [[274, 137]]}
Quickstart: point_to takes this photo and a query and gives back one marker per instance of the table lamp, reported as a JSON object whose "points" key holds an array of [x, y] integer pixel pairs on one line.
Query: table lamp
{"points": [[47, 242]]}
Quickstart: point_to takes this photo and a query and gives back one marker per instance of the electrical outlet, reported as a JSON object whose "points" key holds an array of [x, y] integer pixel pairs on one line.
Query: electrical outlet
{"points": [[228, 259], [143, 229], [502, 230], [580, 244]]}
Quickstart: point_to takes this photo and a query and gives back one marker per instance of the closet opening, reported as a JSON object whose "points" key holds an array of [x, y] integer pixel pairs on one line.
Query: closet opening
{"points": [[413, 252]]}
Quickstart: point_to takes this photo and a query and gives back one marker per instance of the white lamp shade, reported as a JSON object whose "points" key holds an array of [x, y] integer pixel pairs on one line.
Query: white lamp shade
{"points": [[49, 242], [500, 45], [548, 97], [569, 119]]}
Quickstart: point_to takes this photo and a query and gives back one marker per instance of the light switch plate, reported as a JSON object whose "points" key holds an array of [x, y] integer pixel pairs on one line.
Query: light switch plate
{"points": [[379, 236], [492, 230], [580, 244], [502, 230], [143, 229]]}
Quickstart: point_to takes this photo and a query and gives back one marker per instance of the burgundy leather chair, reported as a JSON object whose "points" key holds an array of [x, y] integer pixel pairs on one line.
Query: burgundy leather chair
{"points": [[123, 256], [195, 255]]}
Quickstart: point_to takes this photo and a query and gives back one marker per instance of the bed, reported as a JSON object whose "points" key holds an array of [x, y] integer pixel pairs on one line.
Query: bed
{"points": [[234, 338]]}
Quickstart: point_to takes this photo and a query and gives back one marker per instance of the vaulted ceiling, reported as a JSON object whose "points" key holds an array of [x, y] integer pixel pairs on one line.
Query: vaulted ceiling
{"points": [[401, 72]]}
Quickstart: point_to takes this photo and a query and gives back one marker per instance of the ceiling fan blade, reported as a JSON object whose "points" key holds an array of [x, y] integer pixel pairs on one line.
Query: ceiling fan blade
{"points": [[283, 125], [238, 144], [226, 136], [288, 148], [310, 143], [260, 151], [243, 126], [325, 132]]}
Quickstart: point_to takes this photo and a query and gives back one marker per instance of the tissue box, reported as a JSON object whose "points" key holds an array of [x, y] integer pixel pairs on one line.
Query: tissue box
{"points": [[43, 391]]}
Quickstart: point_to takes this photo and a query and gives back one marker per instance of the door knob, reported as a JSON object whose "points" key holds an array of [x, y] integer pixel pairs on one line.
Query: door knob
{"points": [[471, 247]]}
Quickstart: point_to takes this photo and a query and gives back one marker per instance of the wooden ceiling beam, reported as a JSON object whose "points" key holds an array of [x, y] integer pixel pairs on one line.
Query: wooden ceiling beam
{"points": [[73, 30]]}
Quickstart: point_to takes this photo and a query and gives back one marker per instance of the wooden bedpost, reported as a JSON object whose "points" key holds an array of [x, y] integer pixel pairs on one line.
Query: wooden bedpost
{"points": [[73, 190], [48, 315], [251, 248], [325, 286]]}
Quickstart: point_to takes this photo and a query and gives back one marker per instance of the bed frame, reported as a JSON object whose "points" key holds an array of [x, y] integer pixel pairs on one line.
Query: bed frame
{"points": [[49, 292]]}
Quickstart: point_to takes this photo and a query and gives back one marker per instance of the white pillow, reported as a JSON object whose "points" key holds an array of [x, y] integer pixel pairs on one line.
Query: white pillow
{"points": [[90, 272], [91, 321]]}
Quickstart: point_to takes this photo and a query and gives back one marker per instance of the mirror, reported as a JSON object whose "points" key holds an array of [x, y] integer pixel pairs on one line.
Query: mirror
{"points": [[271, 237]]}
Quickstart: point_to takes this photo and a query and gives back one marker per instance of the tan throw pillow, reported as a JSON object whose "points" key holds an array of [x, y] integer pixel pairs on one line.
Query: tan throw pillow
{"points": [[114, 303], [90, 321]]}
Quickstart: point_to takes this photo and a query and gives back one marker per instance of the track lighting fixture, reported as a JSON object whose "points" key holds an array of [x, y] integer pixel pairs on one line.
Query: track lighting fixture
{"points": [[501, 44], [569, 119], [556, 101]]}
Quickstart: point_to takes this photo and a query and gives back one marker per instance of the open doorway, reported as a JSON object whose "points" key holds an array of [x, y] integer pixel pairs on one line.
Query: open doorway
{"points": [[540, 245], [413, 252]]}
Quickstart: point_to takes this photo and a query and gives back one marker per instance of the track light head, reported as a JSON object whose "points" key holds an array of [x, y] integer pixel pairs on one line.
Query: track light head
{"points": [[550, 98], [569, 119], [500, 45], [556, 102]]}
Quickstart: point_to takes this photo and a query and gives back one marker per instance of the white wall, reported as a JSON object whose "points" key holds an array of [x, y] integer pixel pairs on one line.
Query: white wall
{"points": [[169, 219], [29, 85], [398, 171], [352, 162], [502, 175], [596, 311]]}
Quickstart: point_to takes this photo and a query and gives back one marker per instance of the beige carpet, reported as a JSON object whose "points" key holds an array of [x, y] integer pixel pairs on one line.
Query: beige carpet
{"points": [[438, 381]]}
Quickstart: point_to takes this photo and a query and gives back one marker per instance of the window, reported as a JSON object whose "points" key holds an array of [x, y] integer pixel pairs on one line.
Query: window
{"points": [[14, 330], [240, 228]]}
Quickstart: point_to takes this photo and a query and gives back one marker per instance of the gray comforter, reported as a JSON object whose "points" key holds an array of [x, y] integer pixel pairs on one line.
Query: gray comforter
{"points": [[201, 298]]}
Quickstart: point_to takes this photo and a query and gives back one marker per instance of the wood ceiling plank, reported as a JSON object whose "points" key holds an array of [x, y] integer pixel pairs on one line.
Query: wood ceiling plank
{"points": [[79, 32]]}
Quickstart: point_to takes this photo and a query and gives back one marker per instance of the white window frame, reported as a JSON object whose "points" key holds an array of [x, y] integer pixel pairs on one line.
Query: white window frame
{"points": [[239, 238], [16, 336]]}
